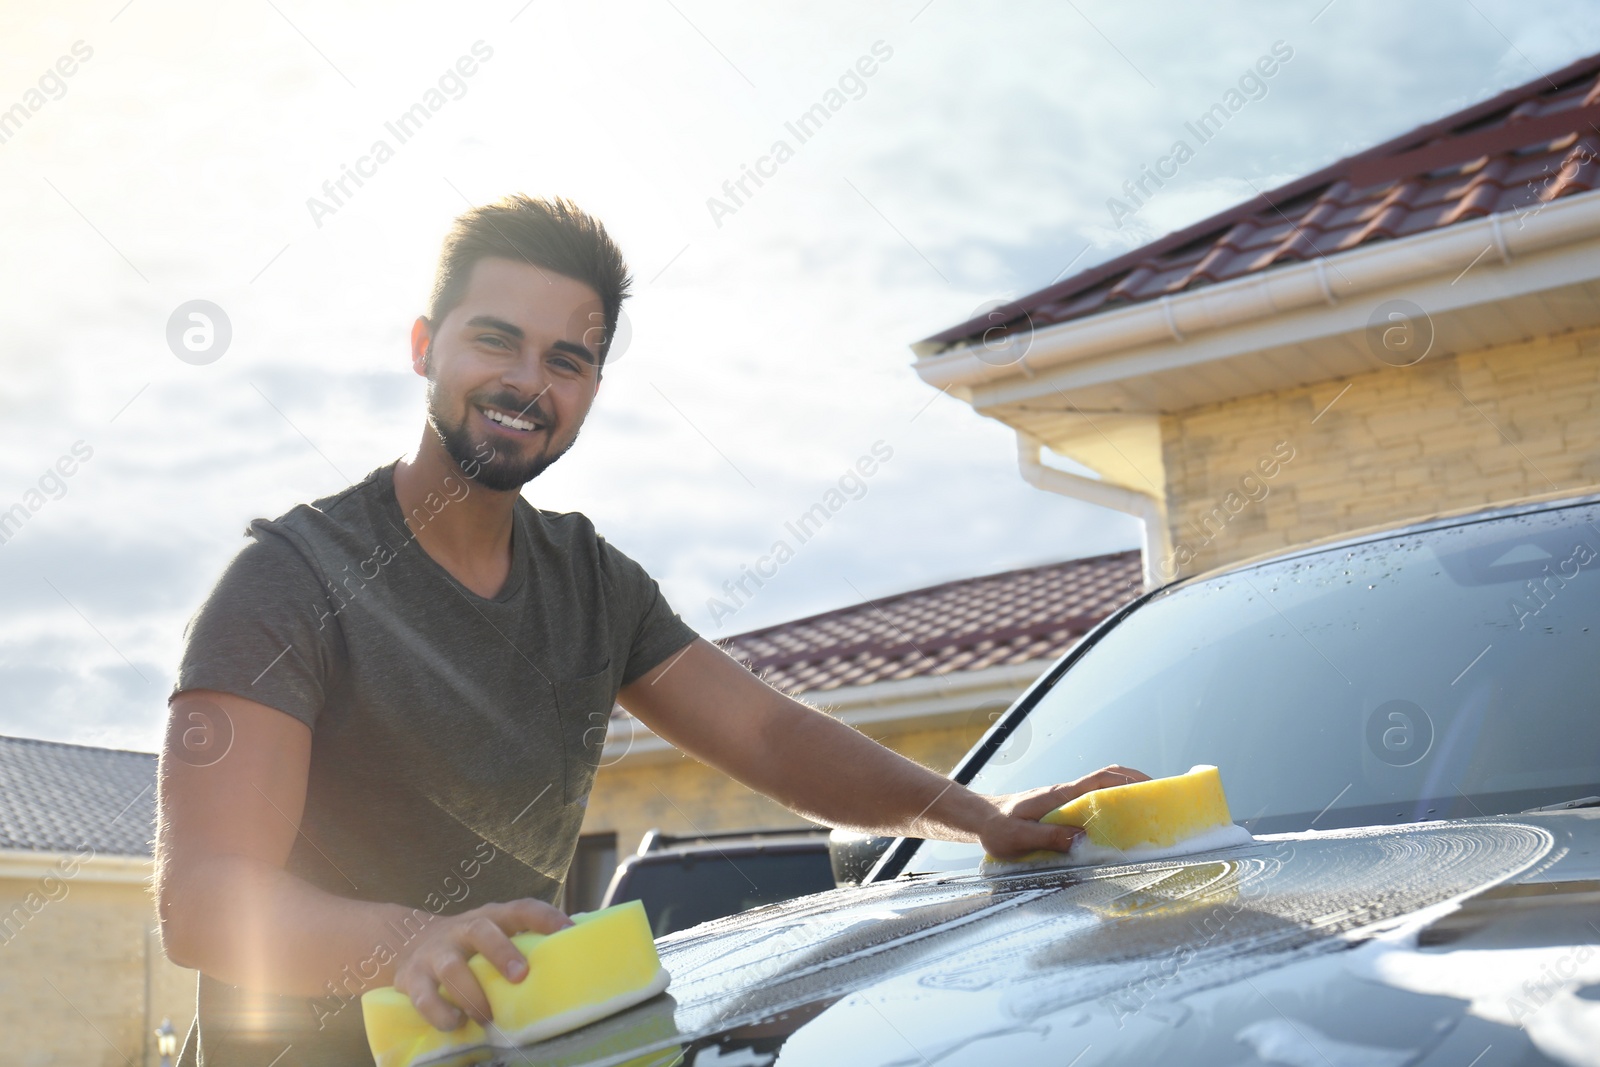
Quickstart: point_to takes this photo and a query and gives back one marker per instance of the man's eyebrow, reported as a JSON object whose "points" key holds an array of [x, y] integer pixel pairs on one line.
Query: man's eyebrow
{"points": [[575, 349], [493, 323], [511, 330]]}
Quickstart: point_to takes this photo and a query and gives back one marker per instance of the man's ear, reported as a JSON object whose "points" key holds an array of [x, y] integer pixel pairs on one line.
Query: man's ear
{"points": [[421, 343]]}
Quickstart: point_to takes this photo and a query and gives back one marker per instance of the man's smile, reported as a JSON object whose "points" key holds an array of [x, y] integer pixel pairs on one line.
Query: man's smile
{"points": [[511, 421]]}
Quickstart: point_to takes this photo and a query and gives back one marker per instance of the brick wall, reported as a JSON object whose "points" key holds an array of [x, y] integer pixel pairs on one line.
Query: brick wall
{"points": [[1260, 473], [73, 977]]}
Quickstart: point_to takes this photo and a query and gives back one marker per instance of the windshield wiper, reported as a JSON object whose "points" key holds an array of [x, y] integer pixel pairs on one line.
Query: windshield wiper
{"points": [[1565, 805]]}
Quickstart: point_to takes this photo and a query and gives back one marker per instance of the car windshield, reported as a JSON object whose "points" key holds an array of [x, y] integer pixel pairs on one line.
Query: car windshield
{"points": [[1441, 674]]}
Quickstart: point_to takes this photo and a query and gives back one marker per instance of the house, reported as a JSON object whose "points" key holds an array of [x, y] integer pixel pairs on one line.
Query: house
{"points": [[82, 976], [925, 672], [1412, 330]]}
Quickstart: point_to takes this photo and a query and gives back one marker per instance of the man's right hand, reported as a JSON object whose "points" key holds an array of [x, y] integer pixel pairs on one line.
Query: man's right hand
{"points": [[232, 790], [438, 957]]}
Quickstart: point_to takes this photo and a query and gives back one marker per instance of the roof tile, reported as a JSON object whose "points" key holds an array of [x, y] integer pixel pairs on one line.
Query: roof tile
{"points": [[1013, 617], [1530, 145], [63, 798]]}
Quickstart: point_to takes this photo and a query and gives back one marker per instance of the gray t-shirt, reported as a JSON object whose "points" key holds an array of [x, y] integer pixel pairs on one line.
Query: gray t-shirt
{"points": [[454, 737]]}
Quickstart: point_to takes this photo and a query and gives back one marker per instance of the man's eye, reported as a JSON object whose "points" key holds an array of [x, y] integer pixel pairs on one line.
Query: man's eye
{"points": [[568, 363], [494, 339]]}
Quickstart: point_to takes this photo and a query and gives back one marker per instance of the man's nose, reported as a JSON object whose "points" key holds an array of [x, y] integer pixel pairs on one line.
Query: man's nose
{"points": [[526, 377]]}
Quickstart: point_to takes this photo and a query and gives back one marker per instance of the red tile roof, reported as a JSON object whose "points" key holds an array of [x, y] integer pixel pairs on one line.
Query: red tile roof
{"points": [[1000, 619], [1510, 154]]}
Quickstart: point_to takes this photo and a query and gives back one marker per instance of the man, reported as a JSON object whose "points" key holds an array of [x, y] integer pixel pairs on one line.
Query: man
{"points": [[390, 708]]}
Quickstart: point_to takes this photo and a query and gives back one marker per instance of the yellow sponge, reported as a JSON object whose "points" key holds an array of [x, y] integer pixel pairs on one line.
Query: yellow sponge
{"points": [[602, 964], [400, 1037], [1142, 820]]}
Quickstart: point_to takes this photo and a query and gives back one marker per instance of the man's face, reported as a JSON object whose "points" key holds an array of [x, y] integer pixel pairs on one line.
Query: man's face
{"points": [[512, 370]]}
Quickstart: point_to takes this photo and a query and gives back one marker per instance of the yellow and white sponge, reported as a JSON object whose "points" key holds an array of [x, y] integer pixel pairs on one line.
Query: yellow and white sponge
{"points": [[605, 962], [400, 1037], [1140, 821]]}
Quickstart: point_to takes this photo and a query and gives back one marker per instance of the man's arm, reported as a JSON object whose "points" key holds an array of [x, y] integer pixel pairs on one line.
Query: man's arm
{"points": [[232, 787], [711, 707]]}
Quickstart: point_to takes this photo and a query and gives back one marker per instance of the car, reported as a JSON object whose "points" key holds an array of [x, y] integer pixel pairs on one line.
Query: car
{"points": [[685, 880], [1407, 721]]}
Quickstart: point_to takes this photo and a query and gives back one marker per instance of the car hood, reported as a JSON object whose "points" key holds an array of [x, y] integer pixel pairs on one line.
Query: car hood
{"points": [[1454, 943]]}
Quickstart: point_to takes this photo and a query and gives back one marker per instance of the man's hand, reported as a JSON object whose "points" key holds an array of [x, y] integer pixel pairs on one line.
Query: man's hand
{"points": [[438, 957], [1015, 829]]}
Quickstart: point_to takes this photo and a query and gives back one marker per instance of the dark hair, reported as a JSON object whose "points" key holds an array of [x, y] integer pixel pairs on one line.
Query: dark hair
{"points": [[552, 234]]}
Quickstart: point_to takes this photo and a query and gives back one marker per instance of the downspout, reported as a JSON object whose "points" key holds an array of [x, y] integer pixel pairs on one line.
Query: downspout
{"points": [[1146, 508]]}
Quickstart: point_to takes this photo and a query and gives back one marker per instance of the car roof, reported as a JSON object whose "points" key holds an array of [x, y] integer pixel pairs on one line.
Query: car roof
{"points": [[1462, 517]]}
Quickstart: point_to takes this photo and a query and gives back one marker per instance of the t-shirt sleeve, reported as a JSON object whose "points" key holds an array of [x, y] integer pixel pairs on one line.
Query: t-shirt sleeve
{"points": [[268, 632], [658, 631]]}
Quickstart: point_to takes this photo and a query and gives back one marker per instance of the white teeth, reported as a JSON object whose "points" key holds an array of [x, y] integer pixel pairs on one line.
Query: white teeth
{"points": [[507, 420]]}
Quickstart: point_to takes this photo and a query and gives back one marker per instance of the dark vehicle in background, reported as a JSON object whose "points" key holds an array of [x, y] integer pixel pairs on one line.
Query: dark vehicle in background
{"points": [[687, 880], [1409, 723]]}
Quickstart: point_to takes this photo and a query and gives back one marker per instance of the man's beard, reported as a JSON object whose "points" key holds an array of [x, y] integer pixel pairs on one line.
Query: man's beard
{"points": [[480, 460]]}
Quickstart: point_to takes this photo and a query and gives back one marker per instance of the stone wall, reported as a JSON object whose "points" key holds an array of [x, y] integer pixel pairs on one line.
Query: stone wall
{"points": [[82, 977], [1260, 473]]}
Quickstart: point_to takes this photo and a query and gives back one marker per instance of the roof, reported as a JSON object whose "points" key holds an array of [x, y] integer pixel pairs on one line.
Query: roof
{"points": [[1016, 616], [61, 798], [1530, 145]]}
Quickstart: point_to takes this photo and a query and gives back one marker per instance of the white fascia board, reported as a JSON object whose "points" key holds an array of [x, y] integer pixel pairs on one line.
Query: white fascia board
{"points": [[1438, 296], [75, 866], [1259, 310], [908, 704]]}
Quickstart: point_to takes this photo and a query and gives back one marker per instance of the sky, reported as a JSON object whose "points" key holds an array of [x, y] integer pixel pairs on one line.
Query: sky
{"points": [[184, 158]]}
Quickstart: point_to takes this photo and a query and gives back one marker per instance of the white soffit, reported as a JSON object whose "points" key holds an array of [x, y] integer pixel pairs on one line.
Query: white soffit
{"points": [[1279, 329], [69, 867]]}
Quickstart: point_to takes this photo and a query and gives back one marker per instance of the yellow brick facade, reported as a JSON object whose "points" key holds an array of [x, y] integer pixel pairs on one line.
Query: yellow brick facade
{"points": [[678, 794], [1451, 432], [82, 979]]}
